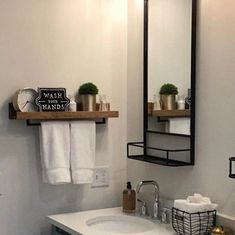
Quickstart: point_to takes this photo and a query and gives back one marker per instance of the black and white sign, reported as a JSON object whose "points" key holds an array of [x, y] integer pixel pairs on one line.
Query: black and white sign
{"points": [[52, 100]]}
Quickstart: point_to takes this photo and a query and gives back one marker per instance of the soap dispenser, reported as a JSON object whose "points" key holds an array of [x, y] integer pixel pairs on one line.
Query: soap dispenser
{"points": [[129, 199]]}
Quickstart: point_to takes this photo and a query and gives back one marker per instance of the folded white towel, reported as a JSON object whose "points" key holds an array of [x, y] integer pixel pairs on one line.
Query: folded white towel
{"points": [[180, 204], [179, 125], [55, 152], [82, 151], [194, 204]]}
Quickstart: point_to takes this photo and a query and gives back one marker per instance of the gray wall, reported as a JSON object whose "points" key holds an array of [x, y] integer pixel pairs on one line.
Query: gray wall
{"points": [[215, 130]]}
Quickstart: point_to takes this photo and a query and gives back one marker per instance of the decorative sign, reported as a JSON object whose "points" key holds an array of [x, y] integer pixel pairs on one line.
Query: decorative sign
{"points": [[52, 100]]}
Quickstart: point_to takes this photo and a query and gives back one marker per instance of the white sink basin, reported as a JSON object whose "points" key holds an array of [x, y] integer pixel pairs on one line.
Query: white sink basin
{"points": [[120, 224], [110, 221]]}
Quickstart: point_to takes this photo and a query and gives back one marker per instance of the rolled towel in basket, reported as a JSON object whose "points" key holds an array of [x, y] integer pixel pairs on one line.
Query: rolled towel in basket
{"points": [[198, 198]]}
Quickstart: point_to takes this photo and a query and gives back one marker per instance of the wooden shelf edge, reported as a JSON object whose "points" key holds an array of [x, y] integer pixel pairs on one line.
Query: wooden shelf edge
{"points": [[171, 113], [79, 115], [167, 113]]}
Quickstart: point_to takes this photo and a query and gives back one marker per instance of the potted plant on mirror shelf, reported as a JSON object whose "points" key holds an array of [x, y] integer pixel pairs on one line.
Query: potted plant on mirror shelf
{"points": [[87, 94], [168, 94]]}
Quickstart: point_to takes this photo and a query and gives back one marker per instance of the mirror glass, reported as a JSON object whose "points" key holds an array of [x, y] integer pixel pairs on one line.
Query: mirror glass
{"points": [[169, 64]]}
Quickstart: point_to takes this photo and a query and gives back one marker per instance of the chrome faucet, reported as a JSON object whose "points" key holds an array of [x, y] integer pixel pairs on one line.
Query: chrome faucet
{"points": [[156, 199]]}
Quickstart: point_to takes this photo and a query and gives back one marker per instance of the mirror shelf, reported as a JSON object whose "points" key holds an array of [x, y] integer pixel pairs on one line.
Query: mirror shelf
{"points": [[159, 161], [167, 159]]}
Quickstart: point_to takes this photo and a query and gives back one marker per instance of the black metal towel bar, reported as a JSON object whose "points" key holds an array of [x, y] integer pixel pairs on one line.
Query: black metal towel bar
{"points": [[29, 123]]}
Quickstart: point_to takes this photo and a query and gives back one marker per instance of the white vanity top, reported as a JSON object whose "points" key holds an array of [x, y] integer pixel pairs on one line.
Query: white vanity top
{"points": [[76, 223]]}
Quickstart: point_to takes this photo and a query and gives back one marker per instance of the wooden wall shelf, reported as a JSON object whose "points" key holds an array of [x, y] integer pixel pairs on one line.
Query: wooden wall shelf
{"points": [[80, 115], [168, 113], [171, 113]]}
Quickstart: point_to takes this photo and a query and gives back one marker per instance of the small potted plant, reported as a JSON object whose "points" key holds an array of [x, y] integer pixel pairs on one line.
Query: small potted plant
{"points": [[87, 93], [168, 94]]}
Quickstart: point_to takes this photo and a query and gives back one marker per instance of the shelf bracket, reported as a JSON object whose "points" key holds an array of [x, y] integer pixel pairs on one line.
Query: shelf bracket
{"points": [[103, 121], [162, 120], [29, 123]]}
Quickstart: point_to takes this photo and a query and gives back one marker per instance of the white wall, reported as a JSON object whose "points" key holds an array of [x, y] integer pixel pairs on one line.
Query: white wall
{"points": [[58, 43], [64, 43], [215, 131]]}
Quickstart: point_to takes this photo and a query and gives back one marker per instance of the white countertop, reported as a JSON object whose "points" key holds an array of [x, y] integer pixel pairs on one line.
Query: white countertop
{"points": [[75, 223]]}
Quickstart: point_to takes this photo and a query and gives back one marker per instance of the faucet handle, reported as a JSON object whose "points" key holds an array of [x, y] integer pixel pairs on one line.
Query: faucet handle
{"points": [[155, 210], [166, 216], [143, 208]]}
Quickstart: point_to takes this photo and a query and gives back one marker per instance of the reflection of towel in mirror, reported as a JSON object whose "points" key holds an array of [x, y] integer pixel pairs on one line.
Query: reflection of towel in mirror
{"points": [[82, 151], [55, 149], [179, 126]]}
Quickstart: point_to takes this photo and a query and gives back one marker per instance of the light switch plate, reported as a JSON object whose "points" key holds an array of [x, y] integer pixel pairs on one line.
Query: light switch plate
{"points": [[101, 176]]}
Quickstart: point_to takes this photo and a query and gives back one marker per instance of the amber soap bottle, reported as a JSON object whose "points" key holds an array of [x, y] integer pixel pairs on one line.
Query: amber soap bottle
{"points": [[129, 199]]}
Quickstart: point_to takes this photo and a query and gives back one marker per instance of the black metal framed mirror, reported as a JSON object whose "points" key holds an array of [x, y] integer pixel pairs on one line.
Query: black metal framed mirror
{"points": [[169, 84]]}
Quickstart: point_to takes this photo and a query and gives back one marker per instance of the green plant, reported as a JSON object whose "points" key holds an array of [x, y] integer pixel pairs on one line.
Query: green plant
{"points": [[168, 89], [88, 89]]}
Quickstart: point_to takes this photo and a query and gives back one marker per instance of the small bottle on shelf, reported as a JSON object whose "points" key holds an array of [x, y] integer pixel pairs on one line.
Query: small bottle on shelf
{"points": [[72, 104], [156, 102], [103, 103], [181, 103]]}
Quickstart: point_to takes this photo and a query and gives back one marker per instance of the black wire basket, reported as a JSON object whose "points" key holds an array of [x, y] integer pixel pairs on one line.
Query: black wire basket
{"points": [[200, 223]]}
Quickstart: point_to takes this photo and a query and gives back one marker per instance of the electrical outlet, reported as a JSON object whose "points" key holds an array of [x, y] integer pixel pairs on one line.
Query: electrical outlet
{"points": [[101, 176]]}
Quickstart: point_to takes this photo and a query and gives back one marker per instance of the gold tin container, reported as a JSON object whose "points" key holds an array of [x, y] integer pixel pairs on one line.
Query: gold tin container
{"points": [[88, 102], [168, 102]]}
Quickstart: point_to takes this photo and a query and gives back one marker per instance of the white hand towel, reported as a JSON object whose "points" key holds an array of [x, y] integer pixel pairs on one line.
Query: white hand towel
{"points": [[55, 152], [82, 151], [194, 204]]}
